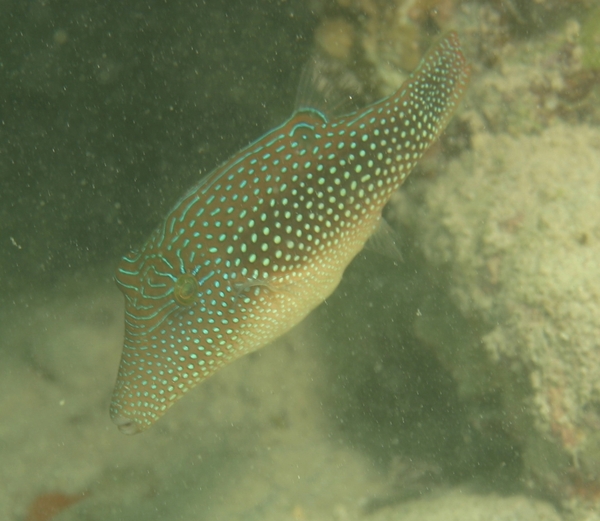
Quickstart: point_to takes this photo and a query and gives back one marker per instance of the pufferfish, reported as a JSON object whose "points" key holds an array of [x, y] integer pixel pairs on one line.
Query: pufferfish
{"points": [[261, 241]]}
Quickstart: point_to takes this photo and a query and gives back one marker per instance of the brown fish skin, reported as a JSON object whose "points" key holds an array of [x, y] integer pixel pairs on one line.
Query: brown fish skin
{"points": [[259, 243]]}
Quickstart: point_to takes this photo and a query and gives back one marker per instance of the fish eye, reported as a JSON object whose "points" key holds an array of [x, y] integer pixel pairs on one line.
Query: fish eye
{"points": [[185, 290]]}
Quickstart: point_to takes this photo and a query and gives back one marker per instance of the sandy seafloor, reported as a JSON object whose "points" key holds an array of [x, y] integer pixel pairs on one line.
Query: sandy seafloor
{"points": [[255, 442]]}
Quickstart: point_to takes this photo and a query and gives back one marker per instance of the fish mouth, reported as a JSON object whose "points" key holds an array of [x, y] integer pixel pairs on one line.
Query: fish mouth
{"points": [[126, 425]]}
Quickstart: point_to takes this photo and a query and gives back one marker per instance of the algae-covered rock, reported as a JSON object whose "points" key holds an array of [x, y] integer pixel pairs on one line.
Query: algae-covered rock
{"points": [[514, 230]]}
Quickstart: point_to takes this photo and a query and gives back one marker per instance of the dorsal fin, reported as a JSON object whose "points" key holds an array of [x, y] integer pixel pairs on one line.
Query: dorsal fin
{"points": [[328, 86]]}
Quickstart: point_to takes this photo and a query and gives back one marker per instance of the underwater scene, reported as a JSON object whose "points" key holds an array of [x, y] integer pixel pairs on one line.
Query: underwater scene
{"points": [[225, 298]]}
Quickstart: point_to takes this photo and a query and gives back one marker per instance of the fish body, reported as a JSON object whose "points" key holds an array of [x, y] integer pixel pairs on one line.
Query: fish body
{"points": [[249, 251]]}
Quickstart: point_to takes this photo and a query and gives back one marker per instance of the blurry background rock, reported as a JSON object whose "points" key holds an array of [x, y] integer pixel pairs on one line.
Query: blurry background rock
{"points": [[512, 231]]}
